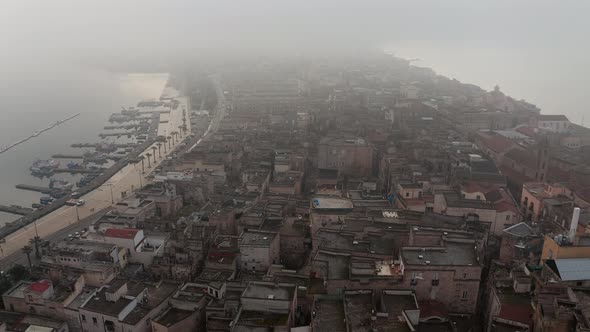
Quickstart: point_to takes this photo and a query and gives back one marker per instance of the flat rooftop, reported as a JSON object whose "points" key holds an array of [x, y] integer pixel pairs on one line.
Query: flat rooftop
{"points": [[394, 301], [451, 254], [329, 315], [255, 238], [331, 203], [215, 275], [335, 266], [264, 290], [373, 244], [255, 319], [100, 304], [172, 316], [358, 306], [454, 200]]}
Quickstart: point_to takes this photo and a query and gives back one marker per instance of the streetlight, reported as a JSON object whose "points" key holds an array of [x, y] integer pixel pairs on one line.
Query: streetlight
{"points": [[111, 190]]}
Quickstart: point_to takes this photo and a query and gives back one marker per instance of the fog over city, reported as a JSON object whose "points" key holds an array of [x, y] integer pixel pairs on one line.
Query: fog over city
{"points": [[301, 166], [533, 49]]}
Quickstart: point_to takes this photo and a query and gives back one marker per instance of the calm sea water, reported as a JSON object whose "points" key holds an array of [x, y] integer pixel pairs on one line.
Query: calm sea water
{"points": [[31, 100]]}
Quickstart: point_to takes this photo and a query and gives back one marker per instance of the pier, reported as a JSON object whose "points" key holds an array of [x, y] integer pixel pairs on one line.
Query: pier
{"points": [[67, 156], [125, 133], [43, 190], [15, 209], [94, 145], [129, 126], [79, 170]]}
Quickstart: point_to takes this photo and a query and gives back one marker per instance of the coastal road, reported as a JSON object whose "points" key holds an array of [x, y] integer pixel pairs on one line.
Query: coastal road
{"points": [[122, 184], [219, 113], [18, 257]]}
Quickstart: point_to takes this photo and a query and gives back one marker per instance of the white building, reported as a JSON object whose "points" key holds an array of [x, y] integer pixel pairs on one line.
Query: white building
{"points": [[556, 123]]}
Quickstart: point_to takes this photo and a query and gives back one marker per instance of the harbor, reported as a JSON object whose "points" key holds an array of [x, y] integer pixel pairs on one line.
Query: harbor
{"points": [[123, 154]]}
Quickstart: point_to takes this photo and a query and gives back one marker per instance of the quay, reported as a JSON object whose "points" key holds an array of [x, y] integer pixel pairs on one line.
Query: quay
{"points": [[15, 209]]}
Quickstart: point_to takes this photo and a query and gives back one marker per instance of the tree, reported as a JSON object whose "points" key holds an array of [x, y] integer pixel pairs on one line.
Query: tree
{"points": [[169, 138], [148, 159], [27, 250], [141, 158], [180, 130], [154, 153], [6, 282], [17, 272], [159, 149]]}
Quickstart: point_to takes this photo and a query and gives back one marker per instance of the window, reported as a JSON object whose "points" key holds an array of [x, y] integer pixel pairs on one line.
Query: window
{"points": [[508, 217], [464, 296], [109, 325], [464, 275], [94, 321], [83, 318], [407, 194], [478, 197], [435, 280]]}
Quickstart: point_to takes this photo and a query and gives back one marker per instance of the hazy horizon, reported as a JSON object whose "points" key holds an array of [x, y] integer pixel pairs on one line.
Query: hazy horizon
{"points": [[534, 50]]}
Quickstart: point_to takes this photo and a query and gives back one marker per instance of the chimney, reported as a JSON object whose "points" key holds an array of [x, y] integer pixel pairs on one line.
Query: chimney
{"points": [[574, 224]]}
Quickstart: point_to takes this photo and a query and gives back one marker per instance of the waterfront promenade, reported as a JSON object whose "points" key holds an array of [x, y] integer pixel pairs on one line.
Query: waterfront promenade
{"points": [[122, 183]]}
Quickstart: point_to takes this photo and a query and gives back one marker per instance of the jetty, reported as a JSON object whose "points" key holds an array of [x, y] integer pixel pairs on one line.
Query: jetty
{"points": [[15, 209]]}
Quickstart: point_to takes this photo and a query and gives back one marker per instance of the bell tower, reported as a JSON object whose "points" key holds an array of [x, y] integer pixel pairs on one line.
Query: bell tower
{"points": [[541, 150]]}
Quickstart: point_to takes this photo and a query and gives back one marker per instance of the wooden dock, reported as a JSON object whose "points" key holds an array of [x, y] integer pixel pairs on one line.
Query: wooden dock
{"points": [[15, 209]]}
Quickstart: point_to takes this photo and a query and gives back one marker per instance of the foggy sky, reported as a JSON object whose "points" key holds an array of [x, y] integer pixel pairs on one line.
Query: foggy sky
{"points": [[529, 47], [116, 28]]}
